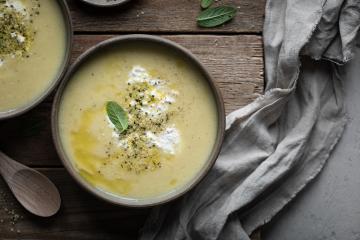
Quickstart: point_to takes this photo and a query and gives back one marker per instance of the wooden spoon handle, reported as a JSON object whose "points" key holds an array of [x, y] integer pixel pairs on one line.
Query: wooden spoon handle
{"points": [[8, 166]]}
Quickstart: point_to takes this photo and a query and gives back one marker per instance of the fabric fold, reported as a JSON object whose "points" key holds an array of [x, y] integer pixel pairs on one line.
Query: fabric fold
{"points": [[277, 144]]}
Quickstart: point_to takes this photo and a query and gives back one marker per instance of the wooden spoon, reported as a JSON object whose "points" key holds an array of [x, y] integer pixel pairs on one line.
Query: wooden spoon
{"points": [[32, 189]]}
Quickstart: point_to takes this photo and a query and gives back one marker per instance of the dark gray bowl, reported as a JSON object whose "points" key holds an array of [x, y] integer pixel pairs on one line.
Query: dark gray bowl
{"points": [[61, 72], [118, 199], [105, 3]]}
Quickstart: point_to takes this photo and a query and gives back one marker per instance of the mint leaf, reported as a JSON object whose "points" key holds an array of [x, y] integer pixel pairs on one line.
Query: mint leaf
{"points": [[117, 116], [216, 16]]}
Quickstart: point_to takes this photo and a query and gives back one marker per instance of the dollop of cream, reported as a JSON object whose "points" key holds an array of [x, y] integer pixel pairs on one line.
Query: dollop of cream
{"points": [[20, 38], [167, 140], [16, 5], [158, 90]]}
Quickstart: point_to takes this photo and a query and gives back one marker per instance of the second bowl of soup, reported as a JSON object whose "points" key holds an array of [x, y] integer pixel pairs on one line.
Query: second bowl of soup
{"points": [[35, 46], [138, 120]]}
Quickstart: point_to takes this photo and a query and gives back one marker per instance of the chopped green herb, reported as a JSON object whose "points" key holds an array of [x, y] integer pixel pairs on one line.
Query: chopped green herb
{"points": [[16, 30]]}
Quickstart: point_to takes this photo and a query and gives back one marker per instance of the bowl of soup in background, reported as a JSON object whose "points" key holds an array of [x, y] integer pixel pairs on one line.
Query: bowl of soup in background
{"points": [[105, 3], [175, 113], [37, 39]]}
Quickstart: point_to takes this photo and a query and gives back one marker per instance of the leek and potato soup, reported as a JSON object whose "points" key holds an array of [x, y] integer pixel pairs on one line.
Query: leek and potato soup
{"points": [[137, 120], [32, 49]]}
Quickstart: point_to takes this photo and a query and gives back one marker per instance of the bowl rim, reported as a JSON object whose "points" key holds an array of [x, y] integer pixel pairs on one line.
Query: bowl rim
{"points": [[113, 198], [61, 71], [117, 4]]}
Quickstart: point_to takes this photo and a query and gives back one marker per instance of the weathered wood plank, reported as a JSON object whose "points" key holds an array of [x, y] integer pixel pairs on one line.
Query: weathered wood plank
{"points": [[82, 216], [236, 63], [163, 16]]}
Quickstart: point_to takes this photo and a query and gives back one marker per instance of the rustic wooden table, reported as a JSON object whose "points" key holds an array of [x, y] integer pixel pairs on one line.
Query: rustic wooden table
{"points": [[234, 55]]}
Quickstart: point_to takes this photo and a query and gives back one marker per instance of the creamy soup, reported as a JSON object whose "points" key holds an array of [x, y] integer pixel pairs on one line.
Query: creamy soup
{"points": [[172, 121], [32, 47]]}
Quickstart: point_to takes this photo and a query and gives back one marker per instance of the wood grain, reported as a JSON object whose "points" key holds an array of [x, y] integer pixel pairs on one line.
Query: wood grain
{"points": [[236, 63], [164, 16]]}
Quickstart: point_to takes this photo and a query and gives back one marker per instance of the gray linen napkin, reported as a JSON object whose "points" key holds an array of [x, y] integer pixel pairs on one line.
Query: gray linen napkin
{"points": [[277, 144]]}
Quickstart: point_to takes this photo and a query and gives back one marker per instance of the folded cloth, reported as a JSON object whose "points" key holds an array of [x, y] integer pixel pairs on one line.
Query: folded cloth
{"points": [[277, 144]]}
